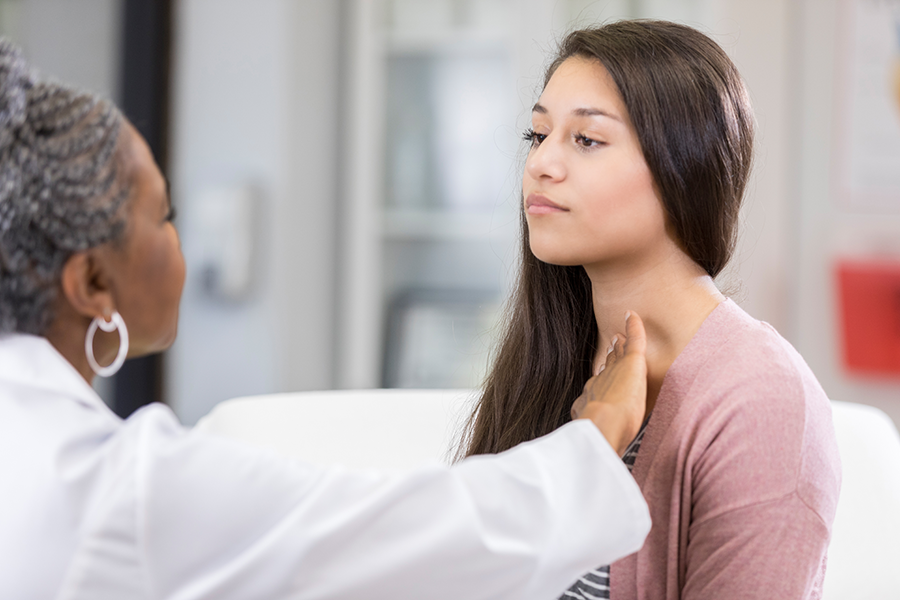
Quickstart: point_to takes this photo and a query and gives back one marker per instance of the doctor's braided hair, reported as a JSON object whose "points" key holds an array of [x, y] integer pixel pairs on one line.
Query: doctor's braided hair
{"points": [[62, 184]]}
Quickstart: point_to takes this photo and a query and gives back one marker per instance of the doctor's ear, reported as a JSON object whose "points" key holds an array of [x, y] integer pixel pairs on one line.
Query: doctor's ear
{"points": [[86, 285]]}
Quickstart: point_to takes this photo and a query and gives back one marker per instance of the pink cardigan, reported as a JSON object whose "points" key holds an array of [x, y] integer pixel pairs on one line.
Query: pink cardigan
{"points": [[740, 467]]}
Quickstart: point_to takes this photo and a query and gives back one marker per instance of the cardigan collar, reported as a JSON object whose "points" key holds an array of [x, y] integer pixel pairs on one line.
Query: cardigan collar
{"points": [[726, 317]]}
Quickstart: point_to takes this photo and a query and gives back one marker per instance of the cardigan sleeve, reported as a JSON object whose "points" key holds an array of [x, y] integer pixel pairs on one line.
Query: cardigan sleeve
{"points": [[774, 549], [764, 486]]}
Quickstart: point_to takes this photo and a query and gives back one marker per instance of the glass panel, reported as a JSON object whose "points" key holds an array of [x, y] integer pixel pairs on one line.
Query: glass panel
{"points": [[410, 134], [448, 221], [443, 112], [439, 339]]}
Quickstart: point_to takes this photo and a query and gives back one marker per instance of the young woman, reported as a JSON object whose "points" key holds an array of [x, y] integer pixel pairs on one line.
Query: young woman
{"points": [[641, 144]]}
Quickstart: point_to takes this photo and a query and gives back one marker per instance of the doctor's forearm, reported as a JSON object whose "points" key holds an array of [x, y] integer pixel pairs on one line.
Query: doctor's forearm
{"points": [[520, 525]]}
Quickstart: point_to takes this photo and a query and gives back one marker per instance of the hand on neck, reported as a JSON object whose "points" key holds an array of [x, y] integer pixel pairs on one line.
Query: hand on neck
{"points": [[672, 294]]}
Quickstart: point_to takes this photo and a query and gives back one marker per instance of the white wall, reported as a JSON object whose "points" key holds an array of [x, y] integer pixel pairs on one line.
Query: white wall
{"points": [[255, 101], [74, 42], [757, 37], [793, 224], [826, 228]]}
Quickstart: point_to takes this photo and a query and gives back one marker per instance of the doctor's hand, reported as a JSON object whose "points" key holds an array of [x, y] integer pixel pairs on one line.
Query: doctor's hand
{"points": [[616, 399]]}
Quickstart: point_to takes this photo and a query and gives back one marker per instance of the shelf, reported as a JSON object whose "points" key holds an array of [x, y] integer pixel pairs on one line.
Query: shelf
{"points": [[445, 225]]}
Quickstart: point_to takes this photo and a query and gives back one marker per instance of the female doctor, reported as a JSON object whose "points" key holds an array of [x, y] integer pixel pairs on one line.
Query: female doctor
{"points": [[95, 507]]}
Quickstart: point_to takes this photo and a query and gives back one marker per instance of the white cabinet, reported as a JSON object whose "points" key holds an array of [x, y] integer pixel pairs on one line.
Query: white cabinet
{"points": [[429, 214]]}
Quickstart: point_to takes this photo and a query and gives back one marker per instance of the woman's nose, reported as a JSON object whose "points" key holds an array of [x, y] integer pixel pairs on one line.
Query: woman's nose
{"points": [[545, 161]]}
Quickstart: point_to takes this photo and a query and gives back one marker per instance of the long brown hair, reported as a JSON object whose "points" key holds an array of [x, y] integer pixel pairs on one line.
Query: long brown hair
{"points": [[692, 115]]}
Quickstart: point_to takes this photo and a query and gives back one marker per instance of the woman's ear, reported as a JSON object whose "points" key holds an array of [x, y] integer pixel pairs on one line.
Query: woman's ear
{"points": [[86, 287]]}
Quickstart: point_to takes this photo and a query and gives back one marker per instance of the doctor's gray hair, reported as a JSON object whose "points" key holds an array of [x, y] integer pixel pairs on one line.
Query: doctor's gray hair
{"points": [[62, 184]]}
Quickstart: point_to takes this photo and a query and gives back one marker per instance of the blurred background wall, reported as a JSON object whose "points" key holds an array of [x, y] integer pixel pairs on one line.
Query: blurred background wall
{"points": [[346, 173]]}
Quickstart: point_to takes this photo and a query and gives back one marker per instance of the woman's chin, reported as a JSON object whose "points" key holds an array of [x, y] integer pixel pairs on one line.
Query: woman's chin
{"points": [[555, 256]]}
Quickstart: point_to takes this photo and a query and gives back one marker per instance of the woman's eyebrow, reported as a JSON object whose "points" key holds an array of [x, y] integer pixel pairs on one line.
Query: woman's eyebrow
{"points": [[580, 112], [595, 112]]}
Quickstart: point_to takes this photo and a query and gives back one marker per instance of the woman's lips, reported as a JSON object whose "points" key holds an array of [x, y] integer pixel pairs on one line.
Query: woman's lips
{"points": [[536, 204]]}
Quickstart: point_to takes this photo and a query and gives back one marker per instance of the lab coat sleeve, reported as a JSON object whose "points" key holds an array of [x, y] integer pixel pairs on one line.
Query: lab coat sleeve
{"points": [[218, 519]]}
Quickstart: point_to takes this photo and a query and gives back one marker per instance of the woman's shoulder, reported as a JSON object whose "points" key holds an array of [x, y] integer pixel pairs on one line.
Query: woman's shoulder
{"points": [[735, 351], [738, 374], [752, 396]]}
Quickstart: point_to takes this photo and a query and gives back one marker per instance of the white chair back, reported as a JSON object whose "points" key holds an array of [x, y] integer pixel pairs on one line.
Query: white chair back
{"points": [[397, 429], [385, 429], [864, 555]]}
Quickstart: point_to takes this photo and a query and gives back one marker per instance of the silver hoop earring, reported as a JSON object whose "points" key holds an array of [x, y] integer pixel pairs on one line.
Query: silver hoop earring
{"points": [[115, 322]]}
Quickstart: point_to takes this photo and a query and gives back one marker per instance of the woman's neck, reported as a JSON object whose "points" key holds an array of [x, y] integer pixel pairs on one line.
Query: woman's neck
{"points": [[673, 296]]}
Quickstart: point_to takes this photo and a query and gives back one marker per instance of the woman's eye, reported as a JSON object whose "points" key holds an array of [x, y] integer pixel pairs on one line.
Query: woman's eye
{"points": [[171, 214], [587, 142], [533, 138]]}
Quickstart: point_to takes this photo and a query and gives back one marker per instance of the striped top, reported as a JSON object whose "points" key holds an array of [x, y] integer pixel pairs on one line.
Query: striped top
{"points": [[594, 584]]}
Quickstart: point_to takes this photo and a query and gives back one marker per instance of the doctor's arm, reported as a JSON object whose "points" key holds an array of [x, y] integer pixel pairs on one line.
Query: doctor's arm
{"points": [[223, 520]]}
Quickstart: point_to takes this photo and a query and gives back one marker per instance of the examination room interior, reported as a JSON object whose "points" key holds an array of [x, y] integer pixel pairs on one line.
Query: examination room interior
{"points": [[346, 177]]}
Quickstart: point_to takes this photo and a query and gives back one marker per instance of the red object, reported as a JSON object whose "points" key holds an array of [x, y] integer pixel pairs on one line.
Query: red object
{"points": [[870, 316]]}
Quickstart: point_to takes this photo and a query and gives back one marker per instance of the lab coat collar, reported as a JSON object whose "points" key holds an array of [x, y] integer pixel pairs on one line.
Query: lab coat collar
{"points": [[32, 361]]}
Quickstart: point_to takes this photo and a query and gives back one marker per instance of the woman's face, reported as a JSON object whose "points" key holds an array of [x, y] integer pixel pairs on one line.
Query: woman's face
{"points": [[147, 265], [589, 196]]}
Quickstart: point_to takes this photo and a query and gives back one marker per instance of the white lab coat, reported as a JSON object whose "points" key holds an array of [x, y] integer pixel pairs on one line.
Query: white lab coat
{"points": [[98, 508]]}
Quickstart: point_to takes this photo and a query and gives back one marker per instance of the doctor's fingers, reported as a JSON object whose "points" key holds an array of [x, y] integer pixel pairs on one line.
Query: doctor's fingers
{"points": [[635, 335], [614, 352]]}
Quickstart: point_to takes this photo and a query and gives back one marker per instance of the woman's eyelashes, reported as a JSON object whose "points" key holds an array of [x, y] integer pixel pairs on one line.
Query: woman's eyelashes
{"points": [[533, 137], [582, 141], [170, 216], [586, 142]]}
